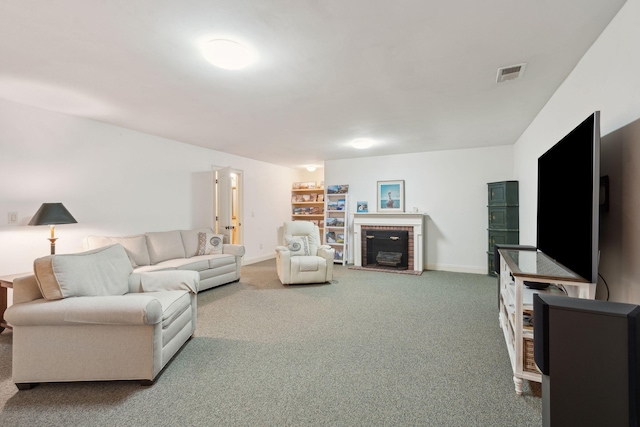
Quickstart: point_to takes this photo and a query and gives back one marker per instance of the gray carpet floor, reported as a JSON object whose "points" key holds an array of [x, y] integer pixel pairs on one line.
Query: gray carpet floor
{"points": [[369, 349]]}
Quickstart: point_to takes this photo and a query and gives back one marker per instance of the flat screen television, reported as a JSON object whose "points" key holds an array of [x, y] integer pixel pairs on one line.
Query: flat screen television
{"points": [[569, 199]]}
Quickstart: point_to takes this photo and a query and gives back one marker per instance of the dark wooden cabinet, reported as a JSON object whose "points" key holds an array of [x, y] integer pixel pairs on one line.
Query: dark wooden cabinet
{"points": [[504, 218]]}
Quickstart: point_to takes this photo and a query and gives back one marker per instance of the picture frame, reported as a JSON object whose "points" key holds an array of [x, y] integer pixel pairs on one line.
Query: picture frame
{"points": [[363, 207], [391, 196]]}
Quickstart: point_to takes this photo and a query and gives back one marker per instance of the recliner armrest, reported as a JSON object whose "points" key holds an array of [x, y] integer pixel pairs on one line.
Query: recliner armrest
{"points": [[326, 252], [237, 250]]}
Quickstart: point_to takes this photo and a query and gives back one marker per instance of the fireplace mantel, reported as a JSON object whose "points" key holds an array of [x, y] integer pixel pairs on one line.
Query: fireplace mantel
{"points": [[398, 219]]}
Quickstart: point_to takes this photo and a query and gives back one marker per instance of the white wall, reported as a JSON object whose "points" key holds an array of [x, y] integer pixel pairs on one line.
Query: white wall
{"points": [[607, 78], [115, 181], [449, 186]]}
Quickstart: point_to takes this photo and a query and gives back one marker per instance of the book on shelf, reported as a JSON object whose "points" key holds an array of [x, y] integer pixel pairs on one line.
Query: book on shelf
{"points": [[338, 189], [335, 222], [332, 205], [339, 238], [338, 255], [340, 204], [304, 185], [307, 210], [331, 237]]}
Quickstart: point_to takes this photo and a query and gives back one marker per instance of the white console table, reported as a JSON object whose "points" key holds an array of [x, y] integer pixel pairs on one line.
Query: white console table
{"points": [[516, 302]]}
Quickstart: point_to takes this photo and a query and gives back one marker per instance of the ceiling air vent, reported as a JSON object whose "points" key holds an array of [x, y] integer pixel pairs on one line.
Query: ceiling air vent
{"points": [[511, 72]]}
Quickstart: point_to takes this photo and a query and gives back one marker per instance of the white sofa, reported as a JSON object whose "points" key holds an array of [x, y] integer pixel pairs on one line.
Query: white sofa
{"points": [[178, 250], [88, 317]]}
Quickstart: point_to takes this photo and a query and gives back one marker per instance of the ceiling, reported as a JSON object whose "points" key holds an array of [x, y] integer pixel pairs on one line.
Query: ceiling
{"points": [[413, 75]]}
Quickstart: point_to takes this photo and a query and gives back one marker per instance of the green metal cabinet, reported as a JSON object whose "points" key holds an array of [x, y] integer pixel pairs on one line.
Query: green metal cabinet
{"points": [[504, 217], [504, 193]]}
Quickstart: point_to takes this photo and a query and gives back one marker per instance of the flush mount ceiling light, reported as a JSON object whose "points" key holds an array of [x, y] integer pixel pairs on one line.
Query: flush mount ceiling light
{"points": [[362, 143], [228, 54], [311, 168]]}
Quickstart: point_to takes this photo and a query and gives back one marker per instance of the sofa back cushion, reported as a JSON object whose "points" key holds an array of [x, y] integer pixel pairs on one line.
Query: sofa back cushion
{"points": [[98, 272], [190, 240], [164, 245], [136, 247]]}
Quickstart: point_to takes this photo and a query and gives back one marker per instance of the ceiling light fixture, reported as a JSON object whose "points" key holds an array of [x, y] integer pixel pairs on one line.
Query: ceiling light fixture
{"points": [[311, 168], [362, 143], [228, 54]]}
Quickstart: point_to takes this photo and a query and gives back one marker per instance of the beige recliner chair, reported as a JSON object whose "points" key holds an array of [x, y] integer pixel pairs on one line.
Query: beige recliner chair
{"points": [[302, 258]]}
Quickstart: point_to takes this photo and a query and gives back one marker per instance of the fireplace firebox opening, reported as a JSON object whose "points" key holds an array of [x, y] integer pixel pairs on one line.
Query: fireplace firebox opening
{"points": [[386, 249]]}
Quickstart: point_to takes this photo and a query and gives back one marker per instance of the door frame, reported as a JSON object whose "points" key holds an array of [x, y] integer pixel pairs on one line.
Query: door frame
{"points": [[239, 202]]}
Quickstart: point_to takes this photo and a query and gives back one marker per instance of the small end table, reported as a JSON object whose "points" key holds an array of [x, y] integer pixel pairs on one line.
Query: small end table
{"points": [[6, 282]]}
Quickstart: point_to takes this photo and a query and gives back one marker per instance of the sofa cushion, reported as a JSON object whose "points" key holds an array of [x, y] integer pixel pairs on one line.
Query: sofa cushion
{"points": [[298, 245], [158, 267], [164, 281], [210, 243], [99, 272], [190, 240], [197, 263], [164, 245], [136, 247]]}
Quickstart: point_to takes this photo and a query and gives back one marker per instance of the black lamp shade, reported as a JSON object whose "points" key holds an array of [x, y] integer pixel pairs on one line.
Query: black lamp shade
{"points": [[51, 214]]}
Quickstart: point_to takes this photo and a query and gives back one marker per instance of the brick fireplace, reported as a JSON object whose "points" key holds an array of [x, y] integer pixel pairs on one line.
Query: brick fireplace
{"points": [[413, 223]]}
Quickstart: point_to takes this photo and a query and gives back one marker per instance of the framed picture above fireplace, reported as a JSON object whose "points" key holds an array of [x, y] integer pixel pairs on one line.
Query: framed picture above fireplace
{"points": [[391, 196]]}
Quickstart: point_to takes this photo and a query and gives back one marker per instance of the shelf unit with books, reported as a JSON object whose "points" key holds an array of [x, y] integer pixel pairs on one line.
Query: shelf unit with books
{"points": [[336, 218], [307, 203]]}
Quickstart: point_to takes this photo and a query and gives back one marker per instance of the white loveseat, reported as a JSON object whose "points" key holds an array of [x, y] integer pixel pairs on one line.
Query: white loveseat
{"points": [[178, 250], [88, 317]]}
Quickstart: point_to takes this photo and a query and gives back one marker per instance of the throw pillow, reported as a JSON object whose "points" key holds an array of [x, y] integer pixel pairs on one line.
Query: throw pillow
{"points": [[298, 245], [209, 243]]}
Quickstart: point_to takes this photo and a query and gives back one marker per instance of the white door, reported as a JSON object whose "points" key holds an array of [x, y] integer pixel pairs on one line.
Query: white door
{"points": [[228, 201]]}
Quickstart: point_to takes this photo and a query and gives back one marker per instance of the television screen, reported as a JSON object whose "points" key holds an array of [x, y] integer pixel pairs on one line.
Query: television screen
{"points": [[568, 199]]}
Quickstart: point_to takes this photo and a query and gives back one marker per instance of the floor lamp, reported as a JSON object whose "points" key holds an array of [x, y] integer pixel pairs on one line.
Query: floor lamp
{"points": [[51, 214]]}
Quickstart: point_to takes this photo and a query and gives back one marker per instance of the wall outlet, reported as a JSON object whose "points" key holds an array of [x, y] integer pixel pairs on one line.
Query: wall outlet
{"points": [[12, 218]]}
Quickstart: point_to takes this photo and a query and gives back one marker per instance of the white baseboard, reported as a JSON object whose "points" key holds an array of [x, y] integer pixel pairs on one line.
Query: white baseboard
{"points": [[437, 267], [253, 260], [457, 268]]}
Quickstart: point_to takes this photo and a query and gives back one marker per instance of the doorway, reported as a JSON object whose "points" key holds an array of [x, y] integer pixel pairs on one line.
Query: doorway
{"points": [[227, 198]]}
